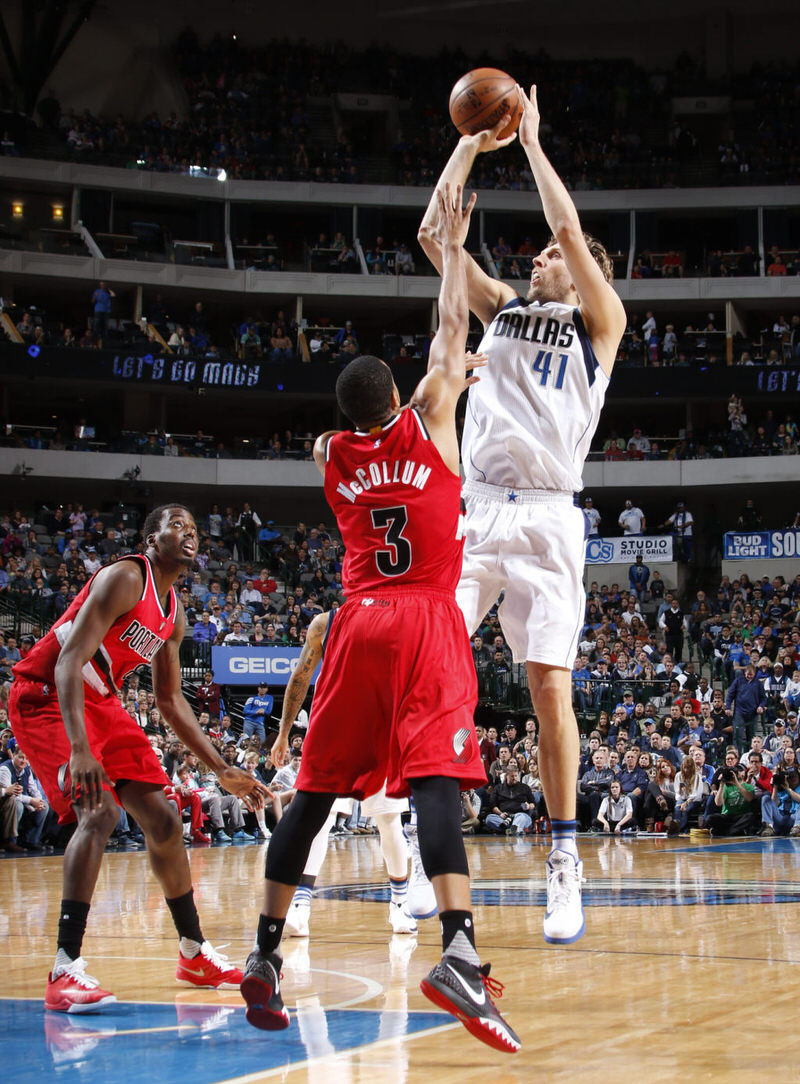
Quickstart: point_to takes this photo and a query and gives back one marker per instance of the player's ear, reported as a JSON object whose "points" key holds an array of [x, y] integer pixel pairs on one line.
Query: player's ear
{"points": [[395, 398]]}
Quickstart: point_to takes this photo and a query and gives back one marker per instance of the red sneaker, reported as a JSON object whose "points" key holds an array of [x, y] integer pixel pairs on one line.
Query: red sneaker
{"points": [[200, 837], [72, 990], [208, 968]]}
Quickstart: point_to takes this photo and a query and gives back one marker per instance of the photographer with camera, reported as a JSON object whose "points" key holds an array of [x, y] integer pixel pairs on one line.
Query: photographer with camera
{"points": [[780, 809], [733, 799]]}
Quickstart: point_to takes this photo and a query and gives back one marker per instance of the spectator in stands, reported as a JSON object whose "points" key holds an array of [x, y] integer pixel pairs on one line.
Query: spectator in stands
{"points": [[744, 704], [593, 517], [638, 445], [750, 517], [101, 308], [404, 261], [17, 779], [632, 519], [26, 327], [280, 345], [257, 710], [638, 578], [681, 523]]}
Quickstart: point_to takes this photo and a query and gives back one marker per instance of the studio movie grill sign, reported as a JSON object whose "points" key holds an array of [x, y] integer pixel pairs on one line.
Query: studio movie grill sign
{"points": [[609, 551], [221, 374]]}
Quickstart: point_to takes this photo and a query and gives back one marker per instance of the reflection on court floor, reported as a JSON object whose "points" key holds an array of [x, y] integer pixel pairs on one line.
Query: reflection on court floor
{"points": [[162, 1044]]}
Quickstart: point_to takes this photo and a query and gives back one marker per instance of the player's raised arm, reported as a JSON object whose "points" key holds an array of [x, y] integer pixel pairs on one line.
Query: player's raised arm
{"points": [[601, 308], [298, 683], [438, 392], [486, 295]]}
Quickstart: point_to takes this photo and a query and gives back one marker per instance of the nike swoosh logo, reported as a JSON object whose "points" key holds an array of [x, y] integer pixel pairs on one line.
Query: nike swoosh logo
{"points": [[200, 974], [478, 1000]]}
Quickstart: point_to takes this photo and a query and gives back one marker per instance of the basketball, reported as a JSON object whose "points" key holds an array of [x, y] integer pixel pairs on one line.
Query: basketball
{"points": [[479, 100]]}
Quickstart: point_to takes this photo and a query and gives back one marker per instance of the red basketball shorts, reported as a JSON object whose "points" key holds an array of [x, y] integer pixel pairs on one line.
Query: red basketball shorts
{"points": [[114, 739], [395, 698]]}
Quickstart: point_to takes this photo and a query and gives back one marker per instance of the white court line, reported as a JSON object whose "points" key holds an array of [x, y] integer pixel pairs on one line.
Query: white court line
{"points": [[338, 1056]]}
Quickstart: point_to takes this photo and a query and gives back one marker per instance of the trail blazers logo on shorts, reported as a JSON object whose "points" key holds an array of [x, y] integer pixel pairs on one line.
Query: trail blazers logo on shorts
{"points": [[462, 746]]}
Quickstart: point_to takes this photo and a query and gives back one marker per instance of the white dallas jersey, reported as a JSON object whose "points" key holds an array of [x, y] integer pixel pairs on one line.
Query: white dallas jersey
{"points": [[531, 418]]}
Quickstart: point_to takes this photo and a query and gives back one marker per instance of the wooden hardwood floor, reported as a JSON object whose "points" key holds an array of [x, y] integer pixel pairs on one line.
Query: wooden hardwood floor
{"points": [[688, 966]]}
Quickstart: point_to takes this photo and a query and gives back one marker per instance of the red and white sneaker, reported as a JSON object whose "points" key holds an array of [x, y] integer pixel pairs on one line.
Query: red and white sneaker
{"points": [[208, 968], [72, 990], [465, 991]]}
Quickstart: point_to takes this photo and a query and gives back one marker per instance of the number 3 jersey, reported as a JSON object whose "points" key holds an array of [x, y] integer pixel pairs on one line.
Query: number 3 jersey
{"points": [[531, 417], [398, 507]]}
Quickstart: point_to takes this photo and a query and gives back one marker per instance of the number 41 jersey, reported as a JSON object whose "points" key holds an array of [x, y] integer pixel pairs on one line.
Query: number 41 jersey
{"points": [[531, 417], [398, 507]]}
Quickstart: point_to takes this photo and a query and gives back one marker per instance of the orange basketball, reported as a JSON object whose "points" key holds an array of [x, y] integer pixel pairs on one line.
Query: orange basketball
{"points": [[479, 100]]}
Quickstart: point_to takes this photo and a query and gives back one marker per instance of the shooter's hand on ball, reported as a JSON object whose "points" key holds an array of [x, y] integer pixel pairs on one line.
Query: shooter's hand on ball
{"points": [[489, 139]]}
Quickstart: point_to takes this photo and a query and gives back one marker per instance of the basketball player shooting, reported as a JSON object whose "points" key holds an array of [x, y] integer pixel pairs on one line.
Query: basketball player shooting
{"points": [[528, 429], [384, 710]]}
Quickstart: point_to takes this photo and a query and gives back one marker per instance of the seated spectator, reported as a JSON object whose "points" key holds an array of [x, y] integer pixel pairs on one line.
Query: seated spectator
{"points": [[17, 779], [511, 804], [733, 800], [615, 814]]}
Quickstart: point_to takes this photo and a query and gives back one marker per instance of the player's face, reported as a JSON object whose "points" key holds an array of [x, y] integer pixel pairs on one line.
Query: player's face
{"points": [[550, 279], [177, 536]]}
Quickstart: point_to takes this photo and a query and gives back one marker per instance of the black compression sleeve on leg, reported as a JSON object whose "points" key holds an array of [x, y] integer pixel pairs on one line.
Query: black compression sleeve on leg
{"points": [[293, 835], [441, 844]]}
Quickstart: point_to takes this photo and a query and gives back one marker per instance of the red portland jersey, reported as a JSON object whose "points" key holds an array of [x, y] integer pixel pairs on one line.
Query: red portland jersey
{"points": [[132, 640], [398, 507]]}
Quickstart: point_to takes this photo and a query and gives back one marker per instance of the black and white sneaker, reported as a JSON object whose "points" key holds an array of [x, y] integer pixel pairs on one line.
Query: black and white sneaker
{"points": [[463, 990], [261, 989]]}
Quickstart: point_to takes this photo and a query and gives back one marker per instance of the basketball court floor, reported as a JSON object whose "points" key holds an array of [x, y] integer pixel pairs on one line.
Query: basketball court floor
{"points": [[688, 967]]}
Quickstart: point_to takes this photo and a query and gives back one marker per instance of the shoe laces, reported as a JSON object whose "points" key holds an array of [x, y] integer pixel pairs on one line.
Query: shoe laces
{"points": [[561, 886], [77, 972], [494, 987], [218, 959]]}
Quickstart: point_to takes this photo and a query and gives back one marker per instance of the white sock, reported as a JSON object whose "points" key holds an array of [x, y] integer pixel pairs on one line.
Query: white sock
{"points": [[189, 948]]}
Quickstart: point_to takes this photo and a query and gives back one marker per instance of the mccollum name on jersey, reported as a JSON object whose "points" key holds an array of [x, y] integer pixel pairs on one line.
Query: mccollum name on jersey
{"points": [[546, 332], [384, 472]]}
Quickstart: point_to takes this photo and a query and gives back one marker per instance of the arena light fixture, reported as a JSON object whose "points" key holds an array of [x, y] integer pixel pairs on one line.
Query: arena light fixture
{"points": [[17, 208], [58, 212]]}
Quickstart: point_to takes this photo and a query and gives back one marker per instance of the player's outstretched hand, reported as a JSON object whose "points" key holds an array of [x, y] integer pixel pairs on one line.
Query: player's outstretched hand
{"points": [[489, 139], [529, 125], [472, 362], [242, 784], [454, 219]]}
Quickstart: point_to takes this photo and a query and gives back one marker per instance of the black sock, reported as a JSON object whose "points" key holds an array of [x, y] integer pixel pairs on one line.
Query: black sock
{"points": [[307, 880], [270, 932], [72, 926], [458, 936], [185, 916]]}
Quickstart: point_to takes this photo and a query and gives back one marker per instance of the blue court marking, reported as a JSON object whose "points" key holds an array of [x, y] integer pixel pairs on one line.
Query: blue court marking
{"points": [[749, 845], [173, 1044], [613, 891]]}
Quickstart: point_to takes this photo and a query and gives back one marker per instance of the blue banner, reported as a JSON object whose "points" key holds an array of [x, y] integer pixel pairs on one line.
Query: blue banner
{"points": [[738, 545], [249, 665]]}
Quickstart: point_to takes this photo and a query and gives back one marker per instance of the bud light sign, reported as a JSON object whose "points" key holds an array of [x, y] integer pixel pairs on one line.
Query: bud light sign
{"points": [[756, 545]]}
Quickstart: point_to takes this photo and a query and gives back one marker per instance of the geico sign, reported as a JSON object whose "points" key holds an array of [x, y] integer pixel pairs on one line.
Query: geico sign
{"points": [[262, 666]]}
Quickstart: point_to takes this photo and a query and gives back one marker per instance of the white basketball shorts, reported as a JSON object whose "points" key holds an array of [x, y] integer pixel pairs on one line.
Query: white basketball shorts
{"points": [[529, 545], [379, 803]]}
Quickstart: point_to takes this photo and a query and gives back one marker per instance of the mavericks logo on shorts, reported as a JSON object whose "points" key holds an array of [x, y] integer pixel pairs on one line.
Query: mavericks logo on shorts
{"points": [[462, 746]]}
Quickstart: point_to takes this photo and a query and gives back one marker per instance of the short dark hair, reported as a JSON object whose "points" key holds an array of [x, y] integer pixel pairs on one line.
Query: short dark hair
{"points": [[153, 520], [364, 390]]}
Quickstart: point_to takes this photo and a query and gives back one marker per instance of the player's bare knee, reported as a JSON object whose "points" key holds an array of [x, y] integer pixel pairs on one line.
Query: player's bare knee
{"points": [[163, 826], [101, 821]]}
